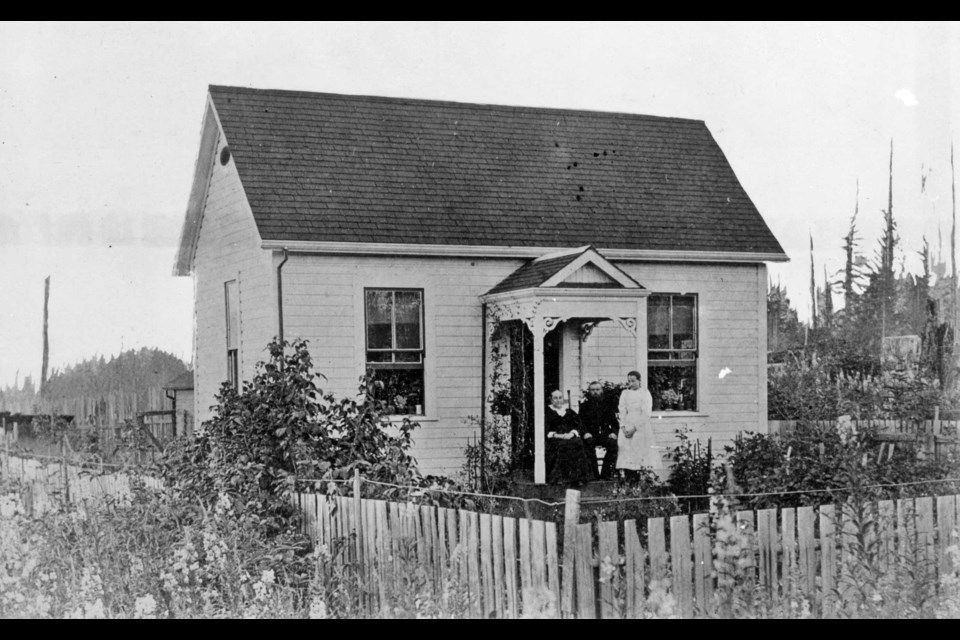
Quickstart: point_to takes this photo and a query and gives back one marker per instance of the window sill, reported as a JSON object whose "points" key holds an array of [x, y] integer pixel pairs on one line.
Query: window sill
{"points": [[679, 414]]}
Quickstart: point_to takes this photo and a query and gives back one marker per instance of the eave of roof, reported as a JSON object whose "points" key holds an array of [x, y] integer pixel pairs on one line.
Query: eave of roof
{"points": [[507, 251]]}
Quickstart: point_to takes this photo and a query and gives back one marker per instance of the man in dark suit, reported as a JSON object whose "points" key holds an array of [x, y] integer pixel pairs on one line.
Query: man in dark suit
{"points": [[599, 420]]}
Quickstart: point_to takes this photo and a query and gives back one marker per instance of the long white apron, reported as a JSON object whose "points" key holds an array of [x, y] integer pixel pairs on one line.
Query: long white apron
{"points": [[637, 451]]}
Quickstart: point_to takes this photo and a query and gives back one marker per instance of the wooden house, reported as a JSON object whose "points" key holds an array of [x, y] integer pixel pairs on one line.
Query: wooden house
{"points": [[394, 234]]}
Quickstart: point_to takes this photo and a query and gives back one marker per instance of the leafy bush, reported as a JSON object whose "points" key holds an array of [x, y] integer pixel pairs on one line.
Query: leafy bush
{"points": [[488, 464], [822, 466], [691, 471], [280, 428], [812, 388]]}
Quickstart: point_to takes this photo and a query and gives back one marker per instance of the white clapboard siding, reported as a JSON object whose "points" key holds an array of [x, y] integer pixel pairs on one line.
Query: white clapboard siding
{"points": [[229, 249], [326, 307]]}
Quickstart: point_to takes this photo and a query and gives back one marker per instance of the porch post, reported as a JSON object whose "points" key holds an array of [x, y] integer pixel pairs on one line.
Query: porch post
{"points": [[539, 461], [642, 340]]}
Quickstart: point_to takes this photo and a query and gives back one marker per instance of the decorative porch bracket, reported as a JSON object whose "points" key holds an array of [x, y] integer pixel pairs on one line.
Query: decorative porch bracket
{"points": [[629, 324]]}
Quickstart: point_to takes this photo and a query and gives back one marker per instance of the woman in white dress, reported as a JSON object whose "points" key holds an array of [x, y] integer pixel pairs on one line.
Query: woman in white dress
{"points": [[635, 441]]}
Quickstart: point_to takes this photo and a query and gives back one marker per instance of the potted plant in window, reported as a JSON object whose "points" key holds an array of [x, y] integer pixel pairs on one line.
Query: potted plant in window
{"points": [[670, 399]]}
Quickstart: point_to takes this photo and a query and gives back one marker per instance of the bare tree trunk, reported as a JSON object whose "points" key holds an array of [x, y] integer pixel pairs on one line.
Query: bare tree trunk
{"points": [[813, 289], [953, 245], [889, 248], [46, 343]]}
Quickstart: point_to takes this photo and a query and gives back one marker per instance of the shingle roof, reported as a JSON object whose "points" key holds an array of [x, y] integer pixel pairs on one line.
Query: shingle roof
{"points": [[533, 273], [536, 272], [327, 167], [182, 382]]}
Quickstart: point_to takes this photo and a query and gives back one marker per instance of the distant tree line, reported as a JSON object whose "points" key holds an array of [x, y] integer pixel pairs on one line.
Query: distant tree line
{"points": [[98, 390]]}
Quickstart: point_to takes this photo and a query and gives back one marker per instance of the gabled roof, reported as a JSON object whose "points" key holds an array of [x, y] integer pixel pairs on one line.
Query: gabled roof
{"points": [[555, 269], [320, 167]]}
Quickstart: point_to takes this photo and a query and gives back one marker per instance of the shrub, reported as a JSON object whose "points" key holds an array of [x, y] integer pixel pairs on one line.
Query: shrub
{"points": [[811, 388], [822, 466], [281, 427], [691, 471], [488, 464]]}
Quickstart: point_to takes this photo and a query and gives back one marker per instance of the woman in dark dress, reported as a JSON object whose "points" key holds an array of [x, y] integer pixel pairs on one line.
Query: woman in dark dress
{"points": [[566, 456]]}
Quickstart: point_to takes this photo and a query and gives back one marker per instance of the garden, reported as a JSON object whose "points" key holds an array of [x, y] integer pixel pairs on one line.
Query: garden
{"points": [[224, 539]]}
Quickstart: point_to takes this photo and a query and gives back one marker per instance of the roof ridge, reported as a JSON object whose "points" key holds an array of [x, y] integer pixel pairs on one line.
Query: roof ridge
{"points": [[452, 103]]}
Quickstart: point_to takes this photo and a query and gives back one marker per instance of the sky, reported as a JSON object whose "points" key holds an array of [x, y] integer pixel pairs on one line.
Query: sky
{"points": [[100, 128]]}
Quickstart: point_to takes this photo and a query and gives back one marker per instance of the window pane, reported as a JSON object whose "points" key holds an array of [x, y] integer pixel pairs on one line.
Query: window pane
{"points": [[673, 388], [401, 390], [232, 368], [684, 314], [408, 319], [407, 356], [379, 317], [658, 322], [379, 356]]}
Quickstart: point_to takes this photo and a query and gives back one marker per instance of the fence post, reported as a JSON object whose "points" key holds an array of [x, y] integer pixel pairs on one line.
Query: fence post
{"points": [[6, 450], [357, 519], [63, 468], [571, 518], [27, 493]]}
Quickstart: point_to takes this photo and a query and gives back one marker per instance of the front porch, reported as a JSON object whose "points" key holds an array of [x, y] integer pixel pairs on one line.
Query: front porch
{"points": [[556, 301]]}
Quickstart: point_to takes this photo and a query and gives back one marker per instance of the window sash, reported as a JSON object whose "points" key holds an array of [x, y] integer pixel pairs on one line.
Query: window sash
{"points": [[399, 364], [394, 349], [233, 368], [670, 335], [669, 356], [231, 299]]}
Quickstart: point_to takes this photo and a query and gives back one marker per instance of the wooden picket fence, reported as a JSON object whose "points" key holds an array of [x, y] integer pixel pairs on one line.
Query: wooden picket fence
{"points": [[507, 564], [49, 482], [477, 549]]}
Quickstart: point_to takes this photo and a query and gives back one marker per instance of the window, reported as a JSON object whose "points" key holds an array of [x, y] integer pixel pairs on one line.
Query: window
{"points": [[231, 296], [672, 345], [394, 341]]}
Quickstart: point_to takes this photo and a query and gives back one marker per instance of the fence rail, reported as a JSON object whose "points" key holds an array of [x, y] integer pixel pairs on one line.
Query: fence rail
{"points": [[936, 427], [935, 437]]}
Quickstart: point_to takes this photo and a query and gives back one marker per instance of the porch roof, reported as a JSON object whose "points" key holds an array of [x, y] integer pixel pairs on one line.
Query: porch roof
{"points": [[548, 270]]}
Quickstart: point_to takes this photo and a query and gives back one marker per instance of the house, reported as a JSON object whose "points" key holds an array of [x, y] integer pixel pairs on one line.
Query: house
{"points": [[396, 235]]}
